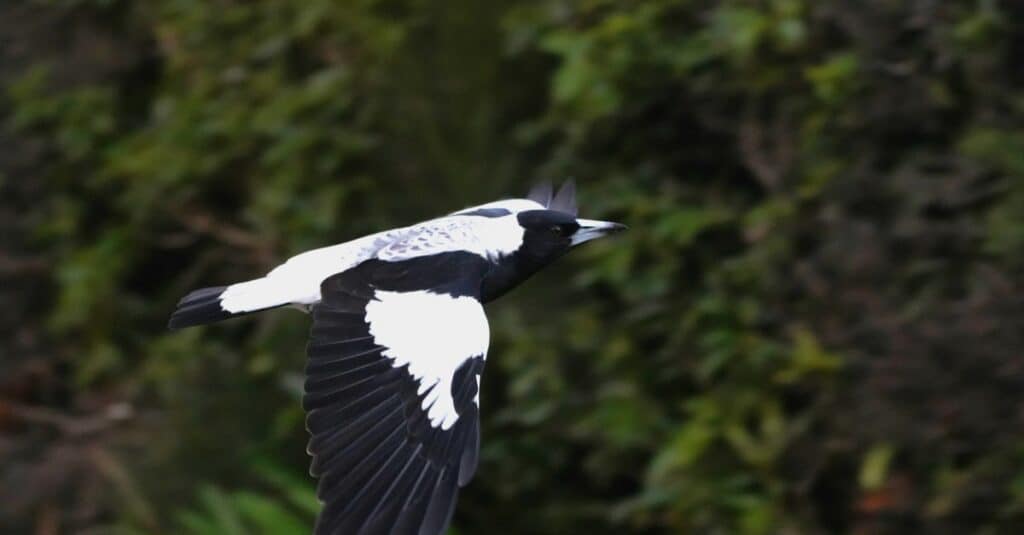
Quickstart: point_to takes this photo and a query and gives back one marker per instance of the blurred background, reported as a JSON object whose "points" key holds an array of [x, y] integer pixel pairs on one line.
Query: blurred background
{"points": [[815, 325]]}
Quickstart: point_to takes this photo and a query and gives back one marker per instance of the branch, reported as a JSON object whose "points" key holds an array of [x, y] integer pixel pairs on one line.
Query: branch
{"points": [[204, 223], [69, 425]]}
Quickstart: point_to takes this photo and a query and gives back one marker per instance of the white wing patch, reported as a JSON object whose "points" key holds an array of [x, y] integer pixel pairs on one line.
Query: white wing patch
{"points": [[434, 334]]}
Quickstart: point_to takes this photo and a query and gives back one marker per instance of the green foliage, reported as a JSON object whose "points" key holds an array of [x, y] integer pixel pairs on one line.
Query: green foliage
{"points": [[812, 327], [289, 511]]}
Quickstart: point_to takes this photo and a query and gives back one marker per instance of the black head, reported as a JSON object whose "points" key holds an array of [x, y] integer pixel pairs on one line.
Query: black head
{"points": [[547, 234]]}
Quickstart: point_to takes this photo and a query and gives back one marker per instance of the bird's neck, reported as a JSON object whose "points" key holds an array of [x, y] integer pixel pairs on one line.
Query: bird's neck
{"points": [[508, 272]]}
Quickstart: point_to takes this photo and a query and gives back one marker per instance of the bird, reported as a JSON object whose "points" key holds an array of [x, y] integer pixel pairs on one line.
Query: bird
{"points": [[396, 350]]}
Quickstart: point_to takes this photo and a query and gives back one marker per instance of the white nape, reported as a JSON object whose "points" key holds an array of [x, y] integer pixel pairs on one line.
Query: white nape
{"points": [[512, 205], [434, 334], [488, 237]]}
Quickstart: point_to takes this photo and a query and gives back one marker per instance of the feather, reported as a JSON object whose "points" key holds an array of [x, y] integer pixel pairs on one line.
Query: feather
{"points": [[565, 199], [541, 193]]}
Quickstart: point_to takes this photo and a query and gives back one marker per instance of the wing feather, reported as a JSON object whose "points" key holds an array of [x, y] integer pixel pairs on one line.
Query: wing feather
{"points": [[394, 421]]}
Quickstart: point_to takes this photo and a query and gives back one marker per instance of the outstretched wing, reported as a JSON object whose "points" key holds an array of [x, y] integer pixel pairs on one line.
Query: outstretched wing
{"points": [[395, 358]]}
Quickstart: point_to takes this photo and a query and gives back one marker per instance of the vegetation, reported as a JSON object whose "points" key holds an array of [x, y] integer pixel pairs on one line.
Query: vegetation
{"points": [[814, 326]]}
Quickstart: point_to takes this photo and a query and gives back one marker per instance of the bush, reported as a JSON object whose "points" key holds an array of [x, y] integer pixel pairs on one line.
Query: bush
{"points": [[814, 325]]}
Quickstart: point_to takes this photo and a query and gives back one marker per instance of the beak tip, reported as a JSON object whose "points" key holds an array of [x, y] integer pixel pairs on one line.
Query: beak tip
{"points": [[614, 228], [592, 229]]}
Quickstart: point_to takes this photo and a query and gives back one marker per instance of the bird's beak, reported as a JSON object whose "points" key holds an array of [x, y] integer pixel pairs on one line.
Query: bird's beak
{"points": [[591, 229]]}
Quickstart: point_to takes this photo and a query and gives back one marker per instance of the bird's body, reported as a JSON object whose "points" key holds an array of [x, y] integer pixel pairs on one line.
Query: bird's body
{"points": [[398, 344]]}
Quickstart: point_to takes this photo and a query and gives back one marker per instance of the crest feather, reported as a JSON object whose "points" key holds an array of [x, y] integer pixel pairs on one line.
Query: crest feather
{"points": [[541, 192], [565, 199]]}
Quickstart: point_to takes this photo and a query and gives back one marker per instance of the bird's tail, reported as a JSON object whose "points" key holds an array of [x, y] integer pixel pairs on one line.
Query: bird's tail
{"points": [[200, 307], [209, 305]]}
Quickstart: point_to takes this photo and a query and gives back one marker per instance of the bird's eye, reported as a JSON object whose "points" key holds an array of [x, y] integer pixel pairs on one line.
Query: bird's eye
{"points": [[556, 229]]}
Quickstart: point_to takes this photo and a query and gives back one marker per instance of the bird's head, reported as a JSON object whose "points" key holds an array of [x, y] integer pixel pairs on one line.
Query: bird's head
{"points": [[535, 232], [548, 234], [551, 231]]}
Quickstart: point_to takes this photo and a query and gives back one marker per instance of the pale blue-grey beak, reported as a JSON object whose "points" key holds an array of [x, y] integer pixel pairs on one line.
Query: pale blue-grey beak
{"points": [[591, 229]]}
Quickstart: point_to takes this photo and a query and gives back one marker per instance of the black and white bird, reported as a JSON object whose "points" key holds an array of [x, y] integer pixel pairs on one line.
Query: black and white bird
{"points": [[398, 343]]}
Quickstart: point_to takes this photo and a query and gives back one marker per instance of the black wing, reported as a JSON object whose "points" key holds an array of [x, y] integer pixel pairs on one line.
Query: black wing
{"points": [[388, 449]]}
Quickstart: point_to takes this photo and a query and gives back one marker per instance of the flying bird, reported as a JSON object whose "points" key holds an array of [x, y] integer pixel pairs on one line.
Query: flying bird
{"points": [[397, 347]]}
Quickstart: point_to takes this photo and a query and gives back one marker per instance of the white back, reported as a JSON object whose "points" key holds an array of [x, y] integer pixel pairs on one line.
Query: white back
{"points": [[297, 281]]}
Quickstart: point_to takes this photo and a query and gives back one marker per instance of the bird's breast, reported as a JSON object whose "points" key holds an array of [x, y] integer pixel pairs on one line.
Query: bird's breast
{"points": [[505, 275]]}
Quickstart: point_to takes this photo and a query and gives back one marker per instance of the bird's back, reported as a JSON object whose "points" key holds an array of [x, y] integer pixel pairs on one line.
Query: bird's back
{"points": [[297, 281]]}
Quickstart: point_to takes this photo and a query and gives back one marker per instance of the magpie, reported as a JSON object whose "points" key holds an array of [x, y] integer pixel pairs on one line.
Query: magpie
{"points": [[397, 347]]}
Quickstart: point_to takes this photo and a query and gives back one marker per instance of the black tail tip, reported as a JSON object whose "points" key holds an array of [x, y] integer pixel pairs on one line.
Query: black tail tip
{"points": [[199, 308]]}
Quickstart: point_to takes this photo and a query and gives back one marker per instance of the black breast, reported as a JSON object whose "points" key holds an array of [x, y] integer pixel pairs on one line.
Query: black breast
{"points": [[508, 273]]}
